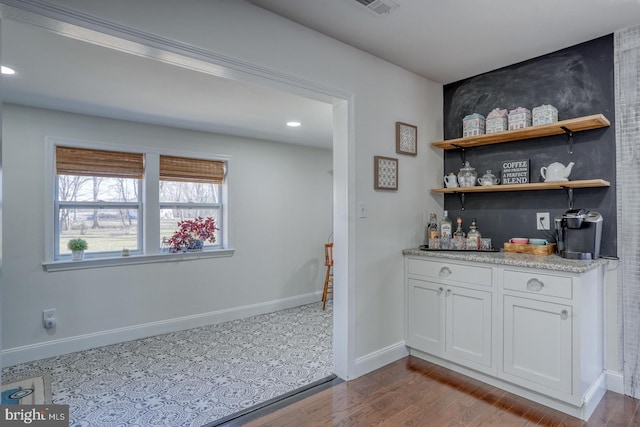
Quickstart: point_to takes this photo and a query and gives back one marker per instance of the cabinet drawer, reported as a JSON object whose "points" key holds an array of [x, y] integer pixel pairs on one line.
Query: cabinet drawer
{"points": [[450, 271], [539, 284]]}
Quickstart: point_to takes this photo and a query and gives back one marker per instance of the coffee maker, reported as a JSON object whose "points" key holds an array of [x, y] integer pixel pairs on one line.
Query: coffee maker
{"points": [[578, 233]]}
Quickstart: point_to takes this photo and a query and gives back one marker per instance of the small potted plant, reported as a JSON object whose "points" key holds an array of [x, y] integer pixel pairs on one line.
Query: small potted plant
{"points": [[192, 234], [77, 247]]}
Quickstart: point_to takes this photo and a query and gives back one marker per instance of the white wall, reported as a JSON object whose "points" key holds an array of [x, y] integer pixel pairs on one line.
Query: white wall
{"points": [[382, 95], [280, 208]]}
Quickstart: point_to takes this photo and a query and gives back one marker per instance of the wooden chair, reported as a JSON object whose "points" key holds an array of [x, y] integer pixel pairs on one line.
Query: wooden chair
{"points": [[328, 278]]}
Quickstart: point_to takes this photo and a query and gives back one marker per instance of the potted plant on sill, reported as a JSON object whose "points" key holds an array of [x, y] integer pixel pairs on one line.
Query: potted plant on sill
{"points": [[77, 247], [192, 234]]}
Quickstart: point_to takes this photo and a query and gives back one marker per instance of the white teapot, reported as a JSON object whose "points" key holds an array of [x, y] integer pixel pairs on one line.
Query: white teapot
{"points": [[556, 172], [451, 180]]}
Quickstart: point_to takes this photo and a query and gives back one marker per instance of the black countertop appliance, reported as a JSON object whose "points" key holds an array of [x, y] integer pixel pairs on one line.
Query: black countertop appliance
{"points": [[579, 233]]}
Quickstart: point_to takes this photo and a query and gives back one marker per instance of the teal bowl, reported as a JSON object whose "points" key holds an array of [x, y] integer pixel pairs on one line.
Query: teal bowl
{"points": [[538, 242]]}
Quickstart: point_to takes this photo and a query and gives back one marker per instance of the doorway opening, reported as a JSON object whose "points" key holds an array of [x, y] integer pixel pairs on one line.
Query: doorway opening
{"points": [[340, 137]]}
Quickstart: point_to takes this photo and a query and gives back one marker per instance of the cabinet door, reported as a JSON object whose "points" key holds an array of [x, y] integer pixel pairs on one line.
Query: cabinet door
{"points": [[468, 336], [425, 316], [538, 344]]}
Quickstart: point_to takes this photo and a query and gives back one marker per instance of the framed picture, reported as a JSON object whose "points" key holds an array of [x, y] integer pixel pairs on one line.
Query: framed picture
{"points": [[406, 139], [385, 171]]}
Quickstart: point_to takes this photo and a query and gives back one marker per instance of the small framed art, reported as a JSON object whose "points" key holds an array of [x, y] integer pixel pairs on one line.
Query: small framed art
{"points": [[406, 139], [385, 171]]}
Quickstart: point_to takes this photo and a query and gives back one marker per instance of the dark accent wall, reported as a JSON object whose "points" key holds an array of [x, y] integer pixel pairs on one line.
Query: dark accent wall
{"points": [[578, 81]]}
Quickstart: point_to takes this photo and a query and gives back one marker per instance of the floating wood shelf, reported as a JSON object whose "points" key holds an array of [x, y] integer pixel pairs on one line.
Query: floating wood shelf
{"points": [[555, 185], [595, 121]]}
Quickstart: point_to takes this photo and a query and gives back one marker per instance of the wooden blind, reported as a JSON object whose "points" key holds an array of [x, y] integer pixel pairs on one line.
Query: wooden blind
{"points": [[191, 170], [87, 162]]}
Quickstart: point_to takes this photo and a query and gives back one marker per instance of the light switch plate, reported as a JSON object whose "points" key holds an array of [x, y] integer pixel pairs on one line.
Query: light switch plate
{"points": [[362, 209]]}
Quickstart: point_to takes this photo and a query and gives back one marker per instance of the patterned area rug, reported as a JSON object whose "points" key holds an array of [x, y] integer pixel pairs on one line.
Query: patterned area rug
{"points": [[192, 377]]}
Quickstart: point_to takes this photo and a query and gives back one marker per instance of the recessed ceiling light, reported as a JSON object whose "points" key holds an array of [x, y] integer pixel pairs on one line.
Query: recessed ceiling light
{"points": [[7, 70], [294, 124]]}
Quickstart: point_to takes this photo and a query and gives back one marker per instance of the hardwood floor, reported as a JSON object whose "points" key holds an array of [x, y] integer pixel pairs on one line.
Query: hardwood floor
{"points": [[413, 392]]}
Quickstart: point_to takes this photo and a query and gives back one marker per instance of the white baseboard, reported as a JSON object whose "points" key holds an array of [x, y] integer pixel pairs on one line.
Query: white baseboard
{"points": [[380, 358], [594, 395], [29, 353], [615, 381]]}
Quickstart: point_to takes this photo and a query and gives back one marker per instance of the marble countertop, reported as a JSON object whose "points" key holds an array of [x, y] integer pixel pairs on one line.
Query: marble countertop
{"points": [[547, 262]]}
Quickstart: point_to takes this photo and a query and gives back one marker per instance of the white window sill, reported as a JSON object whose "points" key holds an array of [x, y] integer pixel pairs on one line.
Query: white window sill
{"points": [[134, 259]]}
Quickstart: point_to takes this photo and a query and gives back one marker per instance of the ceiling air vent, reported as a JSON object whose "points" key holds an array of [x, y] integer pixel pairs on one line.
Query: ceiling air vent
{"points": [[380, 7]]}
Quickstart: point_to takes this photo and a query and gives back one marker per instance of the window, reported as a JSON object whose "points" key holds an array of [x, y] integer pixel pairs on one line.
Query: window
{"points": [[97, 198], [133, 200], [189, 188]]}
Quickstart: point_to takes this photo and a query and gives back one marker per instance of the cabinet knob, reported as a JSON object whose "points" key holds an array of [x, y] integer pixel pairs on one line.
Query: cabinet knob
{"points": [[449, 291], [535, 285], [440, 289], [564, 314], [445, 271]]}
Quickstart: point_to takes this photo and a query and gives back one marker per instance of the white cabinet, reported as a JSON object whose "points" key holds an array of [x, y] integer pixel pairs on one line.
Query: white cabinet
{"points": [[553, 331], [538, 339], [425, 316], [534, 332], [451, 318], [469, 327]]}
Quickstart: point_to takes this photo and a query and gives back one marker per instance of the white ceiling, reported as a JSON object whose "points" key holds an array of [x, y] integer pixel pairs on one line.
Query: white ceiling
{"points": [[449, 40], [62, 73]]}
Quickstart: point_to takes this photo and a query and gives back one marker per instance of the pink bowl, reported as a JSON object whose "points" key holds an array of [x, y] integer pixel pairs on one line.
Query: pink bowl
{"points": [[519, 240]]}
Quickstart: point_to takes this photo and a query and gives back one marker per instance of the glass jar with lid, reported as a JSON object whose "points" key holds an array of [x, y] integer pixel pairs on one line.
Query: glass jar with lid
{"points": [[488, 179], [473, 236], [467, 176]]}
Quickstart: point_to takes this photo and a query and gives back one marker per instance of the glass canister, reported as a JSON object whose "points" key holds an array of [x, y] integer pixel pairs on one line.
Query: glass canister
{"points": [[467, 176], [473, 236], [488, 179]]}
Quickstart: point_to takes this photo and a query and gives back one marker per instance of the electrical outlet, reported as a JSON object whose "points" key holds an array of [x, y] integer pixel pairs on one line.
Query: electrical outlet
{"points": [[542, 221], [49, 320]]}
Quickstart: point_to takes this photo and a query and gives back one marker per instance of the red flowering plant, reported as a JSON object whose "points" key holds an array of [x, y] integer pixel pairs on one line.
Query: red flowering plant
{"points": [[192, 233]]}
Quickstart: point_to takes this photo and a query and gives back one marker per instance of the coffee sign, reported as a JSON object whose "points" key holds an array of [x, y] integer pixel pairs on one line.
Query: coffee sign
{"points": [[515, 171]]}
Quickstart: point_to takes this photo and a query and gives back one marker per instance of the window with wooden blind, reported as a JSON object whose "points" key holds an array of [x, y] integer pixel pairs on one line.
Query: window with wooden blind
{"points": [[104, 196], [98, 199], [189, 188]]}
